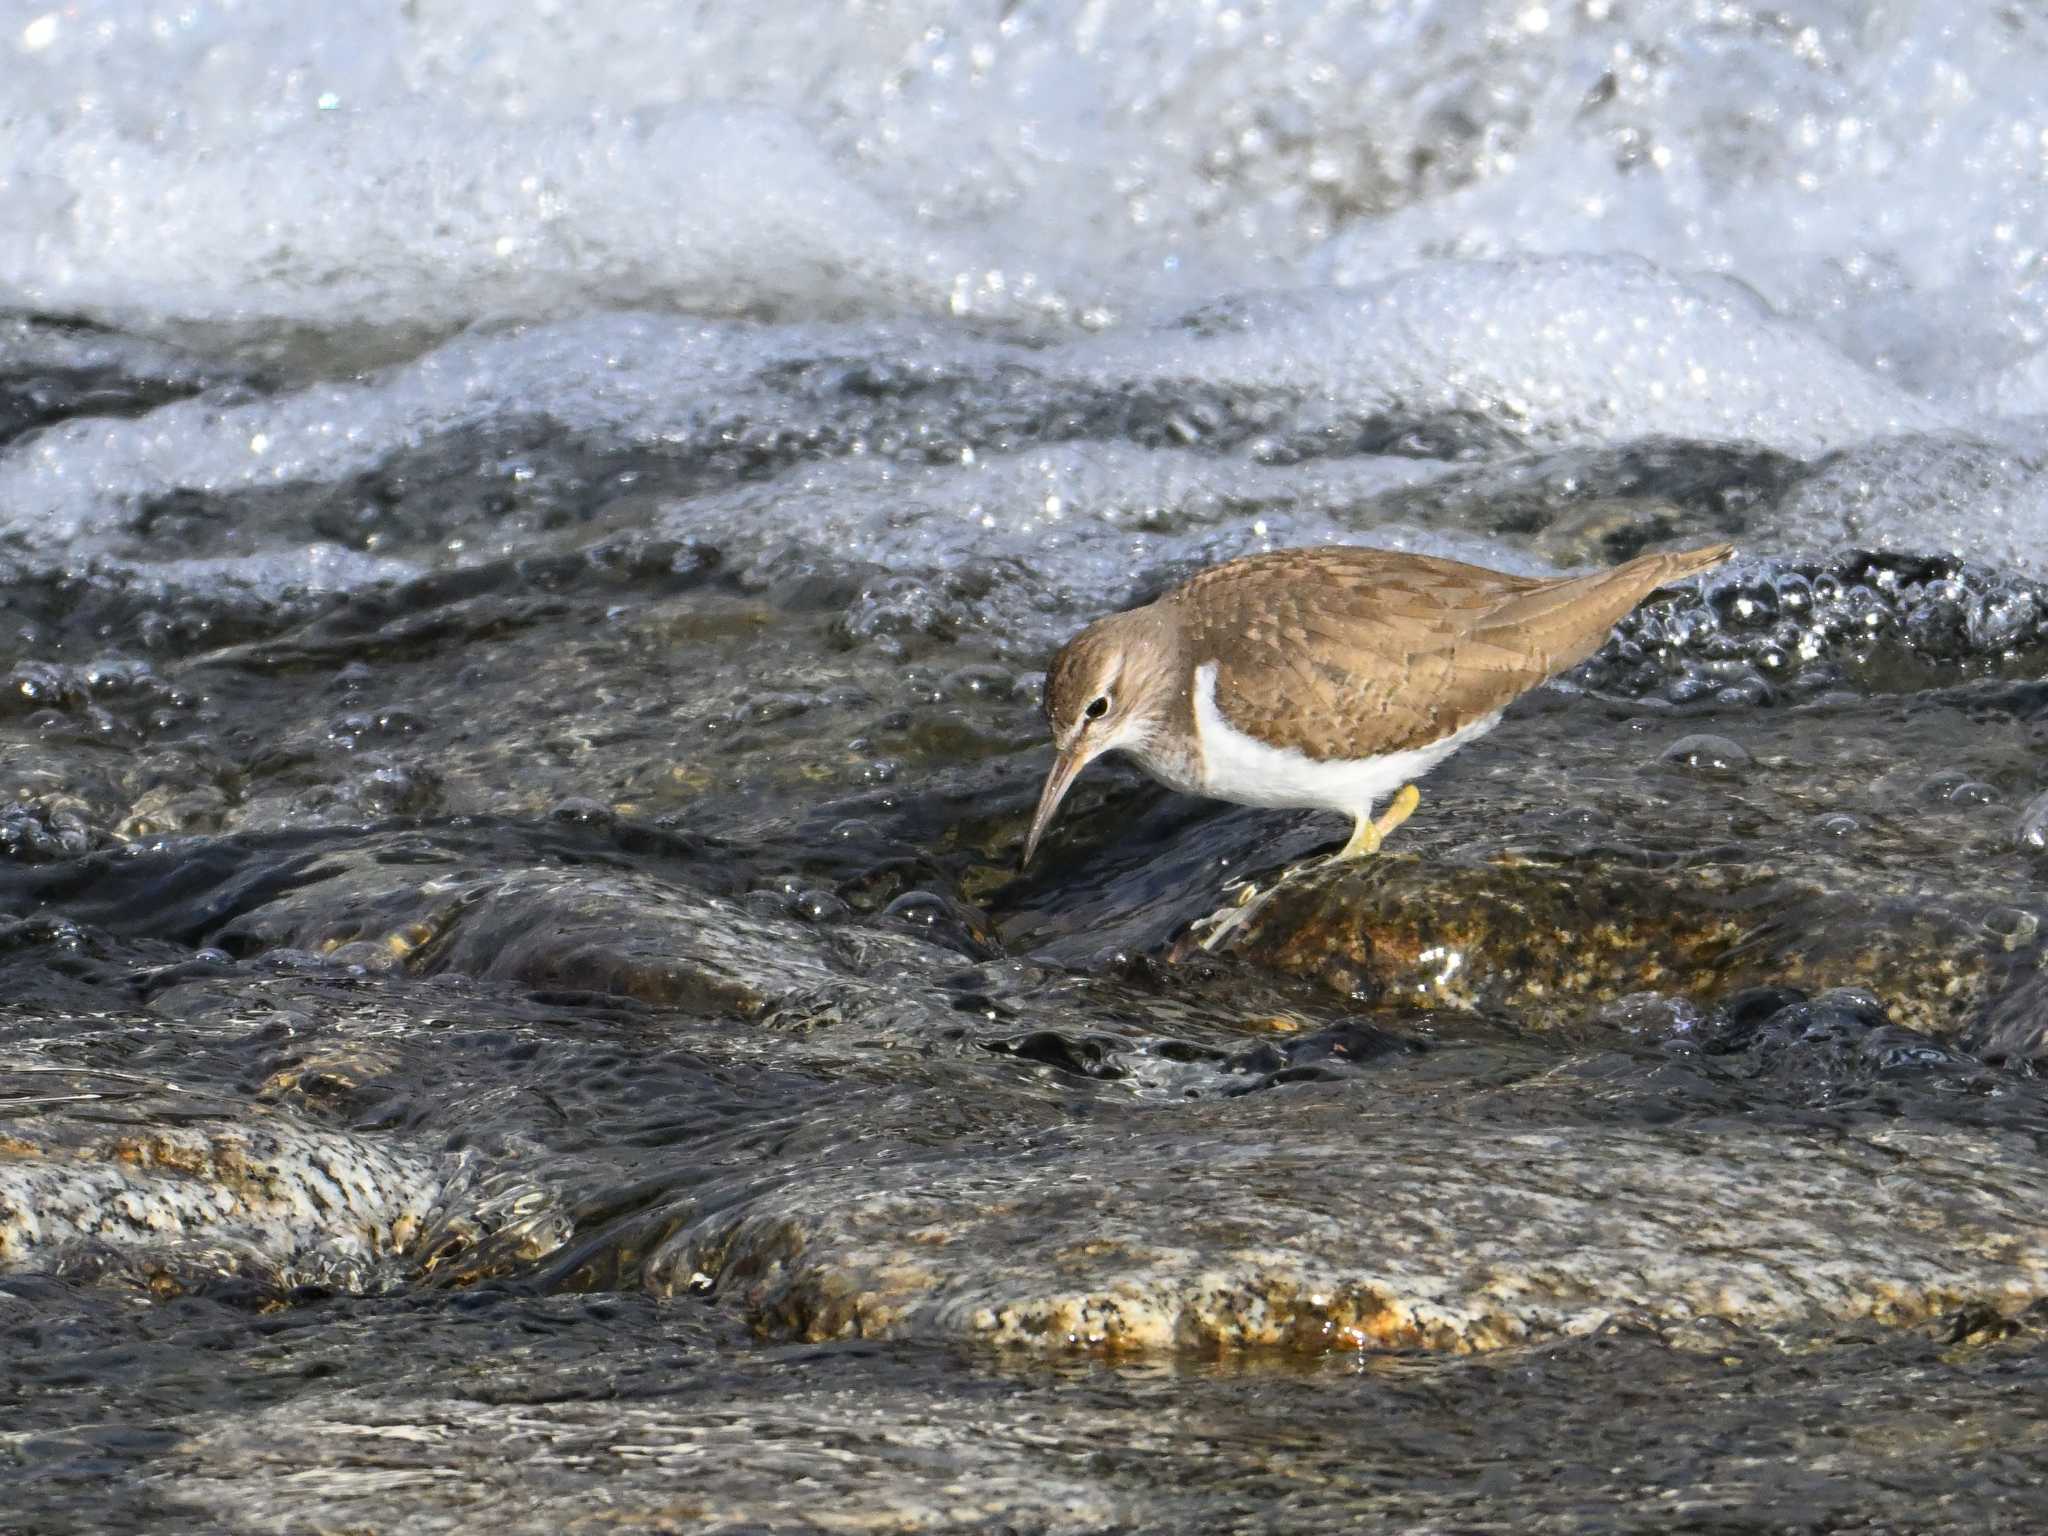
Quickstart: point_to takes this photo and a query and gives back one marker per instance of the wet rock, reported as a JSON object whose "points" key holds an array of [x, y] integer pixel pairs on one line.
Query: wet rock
{"points": [[1838, 1047], [588, 930], [1546, 939], [1079, 1055], [40, 397], [2014, 1028], [175, 809], [281, 1199], [118, 1177], [1323, 1055], [1329, 1222]]}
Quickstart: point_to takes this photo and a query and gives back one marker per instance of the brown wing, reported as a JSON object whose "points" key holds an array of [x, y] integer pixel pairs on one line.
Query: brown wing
{"points": [[1342, 652]]}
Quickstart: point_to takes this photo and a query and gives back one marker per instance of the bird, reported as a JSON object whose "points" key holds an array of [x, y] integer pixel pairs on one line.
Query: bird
{"points": [[1325, 678]]}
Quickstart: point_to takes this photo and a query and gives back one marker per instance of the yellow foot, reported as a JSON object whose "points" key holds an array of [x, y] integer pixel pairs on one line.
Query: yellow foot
{"points": [[1367, 835], [1248, 900]]}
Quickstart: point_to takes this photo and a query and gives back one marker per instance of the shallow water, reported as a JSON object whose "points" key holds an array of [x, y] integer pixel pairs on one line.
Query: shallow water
{"points": [[530, 549]]}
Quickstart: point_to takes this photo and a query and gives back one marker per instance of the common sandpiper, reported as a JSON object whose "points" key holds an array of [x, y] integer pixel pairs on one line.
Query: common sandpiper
{"points": [[1326, 678]]}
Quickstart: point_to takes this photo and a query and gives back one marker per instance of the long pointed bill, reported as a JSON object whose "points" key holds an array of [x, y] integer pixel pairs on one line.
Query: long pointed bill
{"points": [[1065, 769]]}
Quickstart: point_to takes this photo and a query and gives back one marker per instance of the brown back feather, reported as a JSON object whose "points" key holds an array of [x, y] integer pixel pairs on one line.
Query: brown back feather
{"points": [[1347, 652]]}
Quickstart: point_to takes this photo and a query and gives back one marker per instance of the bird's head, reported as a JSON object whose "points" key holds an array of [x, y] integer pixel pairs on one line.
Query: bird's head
{"points": [[1107, 690]]}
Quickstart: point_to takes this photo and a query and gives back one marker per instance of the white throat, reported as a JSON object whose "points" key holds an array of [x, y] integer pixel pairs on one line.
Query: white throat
{"points": [[1244, 769]]}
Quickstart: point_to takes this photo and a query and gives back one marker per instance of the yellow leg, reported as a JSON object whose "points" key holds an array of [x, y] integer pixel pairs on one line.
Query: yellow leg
{"points": [[1399, 809], [1368, 834], [1365, 838]]}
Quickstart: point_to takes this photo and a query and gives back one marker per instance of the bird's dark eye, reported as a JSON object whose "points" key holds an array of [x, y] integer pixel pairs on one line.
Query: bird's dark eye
{"points": [[1097, 708]]}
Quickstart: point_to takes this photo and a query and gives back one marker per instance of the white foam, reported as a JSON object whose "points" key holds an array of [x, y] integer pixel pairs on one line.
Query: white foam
{"points": [[1816, 236], [1570, 352], [1877, 175], [431, 222]]}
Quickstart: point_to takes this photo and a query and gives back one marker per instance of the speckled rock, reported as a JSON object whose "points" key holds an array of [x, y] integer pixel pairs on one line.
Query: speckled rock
{"points": [[1544, 939], [297, 1204], [202, 1189], [1326, 1221]]}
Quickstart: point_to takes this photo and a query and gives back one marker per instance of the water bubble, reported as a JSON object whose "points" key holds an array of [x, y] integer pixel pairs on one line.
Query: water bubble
{"points": [[765, 903], [47, 830], [942, 920], [1999, 621], [1879, 618], [979, 682], [1744, 695], [1693, 686], [820, 906], [766, 708], [1651, 1015], [1708, 755], [1744, 604], [397, 722], [397, 789], [368, 956], [1952, 786], [2030, 832], [1938, 626], [924, 909]]}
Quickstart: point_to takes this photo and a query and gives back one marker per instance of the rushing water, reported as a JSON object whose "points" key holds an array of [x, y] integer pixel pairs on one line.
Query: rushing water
{"points": [[531, 538]]}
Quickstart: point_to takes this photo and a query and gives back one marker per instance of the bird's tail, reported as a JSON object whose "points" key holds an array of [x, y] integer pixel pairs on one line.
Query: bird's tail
{"points": [[1674, 565], [1568, 620]]}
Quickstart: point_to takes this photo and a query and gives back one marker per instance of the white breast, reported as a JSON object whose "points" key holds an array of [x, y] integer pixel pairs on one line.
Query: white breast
{"points": [[1244, 769]]}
